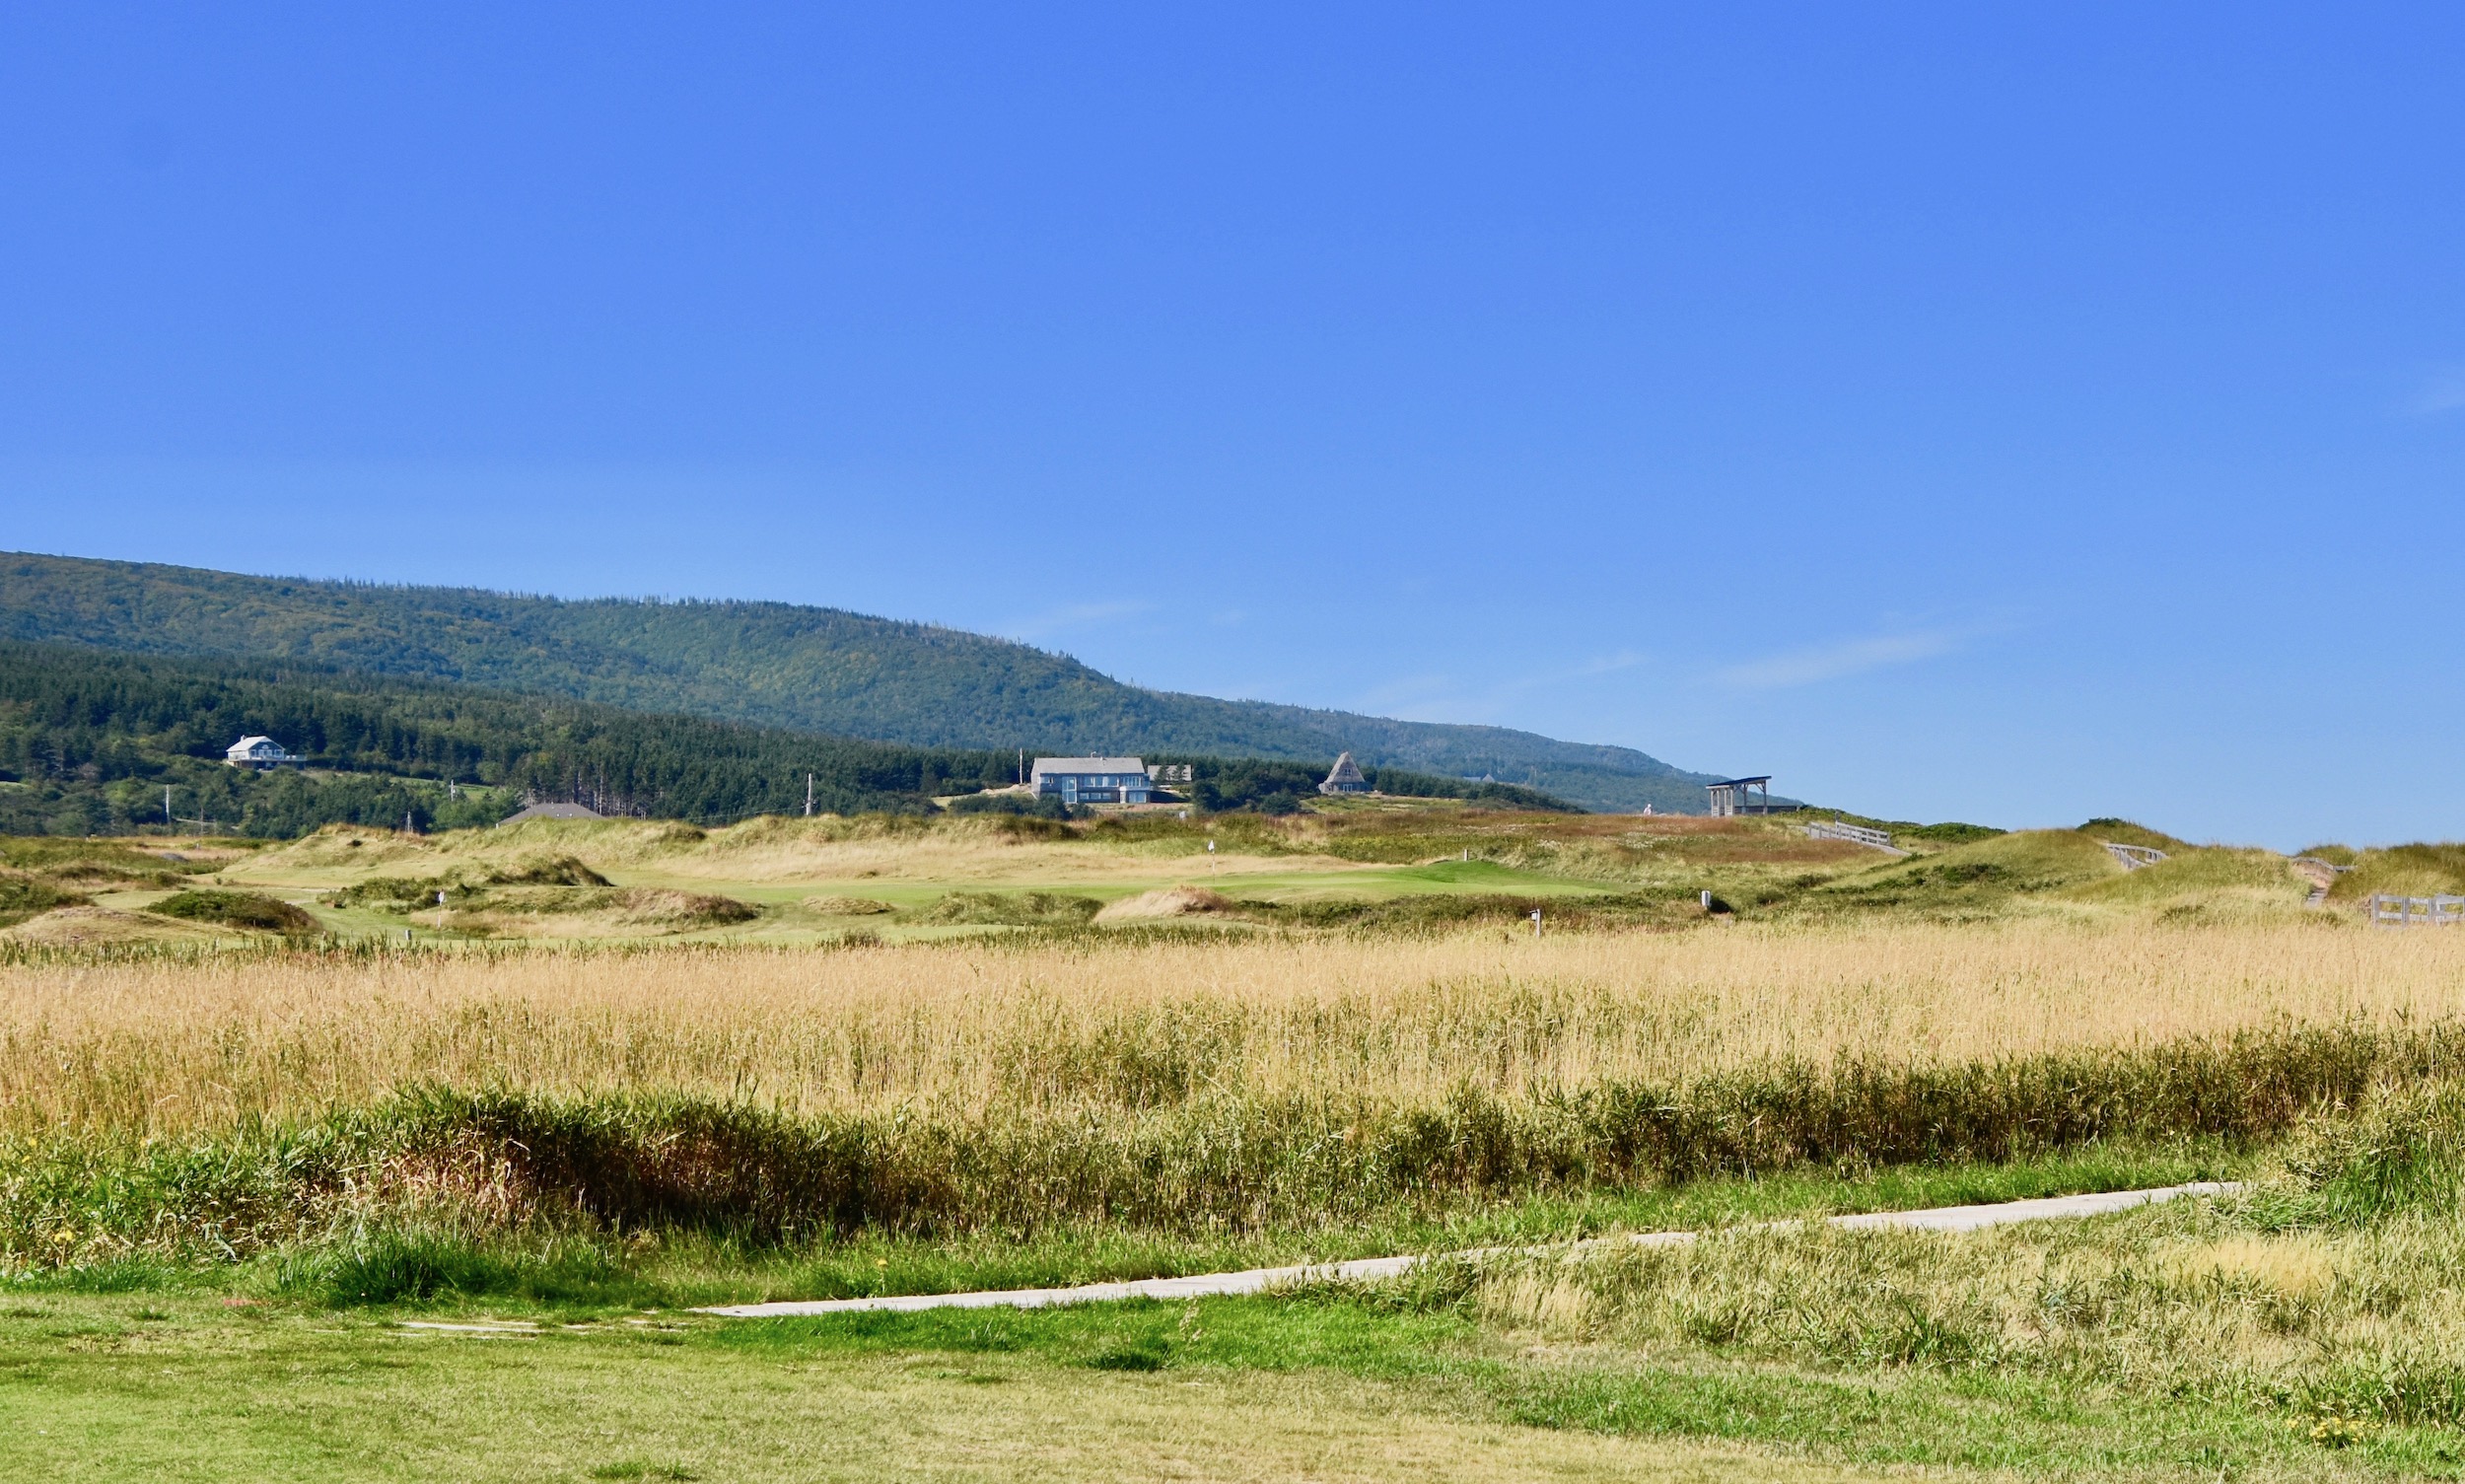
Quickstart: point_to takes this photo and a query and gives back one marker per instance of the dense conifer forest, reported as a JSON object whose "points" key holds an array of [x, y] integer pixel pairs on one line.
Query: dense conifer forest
{"points": [[90, 740]]}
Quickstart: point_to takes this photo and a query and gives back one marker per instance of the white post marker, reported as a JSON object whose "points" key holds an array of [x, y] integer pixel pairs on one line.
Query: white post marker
{"points": [[1536, 922]]}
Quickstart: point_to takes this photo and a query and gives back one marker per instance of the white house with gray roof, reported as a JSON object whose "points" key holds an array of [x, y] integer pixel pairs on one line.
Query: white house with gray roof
{"points": [[259, 752]]}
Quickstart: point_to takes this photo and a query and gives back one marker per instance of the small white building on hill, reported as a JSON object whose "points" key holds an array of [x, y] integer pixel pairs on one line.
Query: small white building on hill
{"points": [[257, 752]]}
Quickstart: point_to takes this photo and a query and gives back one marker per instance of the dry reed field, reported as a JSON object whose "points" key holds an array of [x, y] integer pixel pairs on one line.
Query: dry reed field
{"points": [[343, 1128], [166, 1046]]}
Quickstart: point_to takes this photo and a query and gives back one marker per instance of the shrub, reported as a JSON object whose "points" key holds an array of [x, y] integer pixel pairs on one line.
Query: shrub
{"points": [[1010, 910], [547, 871], [236, 910], [1951, 832], [847, 906], [23, 897], [416, 1264]]}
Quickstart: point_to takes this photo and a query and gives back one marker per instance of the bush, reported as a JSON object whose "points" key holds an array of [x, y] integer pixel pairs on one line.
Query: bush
{"points": [[1041, 807], [547, 871], [1951, 832], [403, 893], [23, 897], [416, 1264], [1010, 910], [236, 910]]}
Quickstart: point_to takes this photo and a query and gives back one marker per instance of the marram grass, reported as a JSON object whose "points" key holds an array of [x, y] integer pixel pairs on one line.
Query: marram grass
{"points": [[218, 1107], [978, 1032], [1219, 1162]]}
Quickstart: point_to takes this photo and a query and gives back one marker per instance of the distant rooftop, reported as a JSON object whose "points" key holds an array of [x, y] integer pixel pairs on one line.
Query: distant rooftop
{"points": [[262, 752], [553, 812], [1345, 778], [1089, 765]]}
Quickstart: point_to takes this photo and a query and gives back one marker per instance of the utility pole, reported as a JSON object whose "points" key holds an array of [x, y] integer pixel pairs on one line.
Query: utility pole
{"points": [[167, 806], [1023, 765]]}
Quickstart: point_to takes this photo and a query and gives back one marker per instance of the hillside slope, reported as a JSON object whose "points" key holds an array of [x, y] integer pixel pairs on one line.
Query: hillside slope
{"points": [[817, 669], [91, 739]]}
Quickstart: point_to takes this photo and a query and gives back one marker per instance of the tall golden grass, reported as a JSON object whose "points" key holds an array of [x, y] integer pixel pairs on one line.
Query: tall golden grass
{"points": [[968, 1031]]}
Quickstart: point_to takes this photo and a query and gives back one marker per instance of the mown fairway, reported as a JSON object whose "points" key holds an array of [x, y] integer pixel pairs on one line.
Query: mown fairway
{"points": [[114, 1388]]}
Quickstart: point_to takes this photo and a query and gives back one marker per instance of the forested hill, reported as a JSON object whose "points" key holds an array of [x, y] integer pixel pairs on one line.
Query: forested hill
{"points": [[89, 741], [815, 669]]}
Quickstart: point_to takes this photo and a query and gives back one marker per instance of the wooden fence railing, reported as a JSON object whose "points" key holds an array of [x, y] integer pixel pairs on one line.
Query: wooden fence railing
{"points": [[1856, 834], [2132, 857], [2417, 911]]}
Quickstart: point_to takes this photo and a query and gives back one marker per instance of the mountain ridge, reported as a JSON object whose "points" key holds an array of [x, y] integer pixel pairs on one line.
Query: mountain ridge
{"points": [[815, 668]]}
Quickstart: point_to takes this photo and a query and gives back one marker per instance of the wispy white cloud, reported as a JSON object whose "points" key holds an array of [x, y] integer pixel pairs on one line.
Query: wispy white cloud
{"points": [[1837, 660], [1074, 616], [1599, 665], [1441, 696], [2439, 393]]}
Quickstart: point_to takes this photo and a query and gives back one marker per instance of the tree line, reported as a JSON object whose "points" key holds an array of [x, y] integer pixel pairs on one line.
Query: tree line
{"points": [[90, 738]]}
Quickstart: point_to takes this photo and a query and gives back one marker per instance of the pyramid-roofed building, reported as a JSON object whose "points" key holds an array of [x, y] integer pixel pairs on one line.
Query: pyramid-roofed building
{"points": [[1345, 778]]}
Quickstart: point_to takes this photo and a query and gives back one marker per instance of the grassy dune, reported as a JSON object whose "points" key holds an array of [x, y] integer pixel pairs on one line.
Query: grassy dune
{"points": [[1378, 866]]}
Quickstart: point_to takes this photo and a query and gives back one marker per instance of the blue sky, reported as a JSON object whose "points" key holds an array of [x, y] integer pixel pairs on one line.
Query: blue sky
{"points": [[1951, 410]]}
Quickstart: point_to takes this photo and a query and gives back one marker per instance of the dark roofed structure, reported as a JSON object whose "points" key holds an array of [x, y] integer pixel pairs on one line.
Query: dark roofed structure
{"points": [[1344, 778], [554, 811], [1736, 795]]}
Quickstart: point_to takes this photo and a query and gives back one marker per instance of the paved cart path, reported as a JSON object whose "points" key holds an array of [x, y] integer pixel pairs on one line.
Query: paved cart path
{"points": [[1259, 1280]]}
